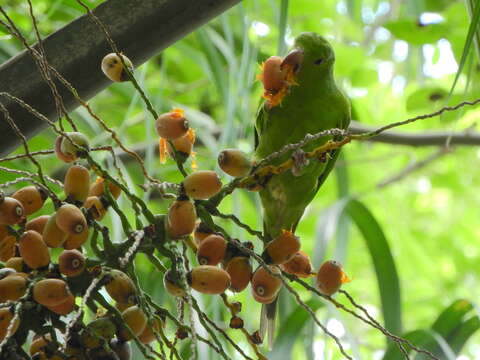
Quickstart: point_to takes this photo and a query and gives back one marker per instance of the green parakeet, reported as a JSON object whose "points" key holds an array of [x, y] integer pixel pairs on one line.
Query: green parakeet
{"points": [[313, 104]]}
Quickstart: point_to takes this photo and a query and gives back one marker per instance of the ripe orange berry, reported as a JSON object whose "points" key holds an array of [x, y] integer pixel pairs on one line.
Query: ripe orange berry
{"points": [[120, 287], [52, 234], [77, 240], [113, 68], [6, 317], [136, 320], [282, 248], [95, 206], [3, 231], [31, 197], [68, 148], [98, 188], [148, 334], [272, 77], [171, 282], [77, 183], [71, 263], [33, 250], [234, 162], [37, 224], [265, 286], [51, 292], [208, 279], [11, 211], [70, 219], [8, 246], [15, 263], [330, 277], [65, 307], [240, 272], [183, 144], [12, 287], [202, 184], [212, 250], [298, 265], [182, 217], [172, 125]]}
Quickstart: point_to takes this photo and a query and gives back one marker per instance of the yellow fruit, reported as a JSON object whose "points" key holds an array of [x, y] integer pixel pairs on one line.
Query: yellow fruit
{"points": [[282, 248], [11, 211], [7, 247], [6, 317], [182, 218], [272, 77], [15, 263], [68, 148], [234, 162], [95, 207], [148, 334], [70, 219], [37, 224], [113, 68], [77, 183], [330, 277], [31, 197], [98, 188], [52, 234], [51, 292], [208, 279], [77, 240], [265, 286], [120, 287], [71, 263], [240, 272], [33, 250], [171, 282], [65, 307], [212, 250], [202, 184], [12, 287], [298, 265], [136, 320], [172, 125]]}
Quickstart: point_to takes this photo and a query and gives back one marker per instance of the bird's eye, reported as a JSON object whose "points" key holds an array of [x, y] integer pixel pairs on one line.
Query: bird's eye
{"points": [[318, 61]]}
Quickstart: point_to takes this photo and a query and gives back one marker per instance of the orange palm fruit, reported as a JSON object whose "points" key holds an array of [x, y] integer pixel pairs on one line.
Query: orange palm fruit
{"points": [[202, 231], [120, 287], [71, 263], [272, 76], [282, 248], [33, 250], [95, 206], [51, 292], [8, 246], [52, 234], [98, 188], [265, 286], [234, 162], [31, 197], [70, 219], [3, 231], [330, 277], [6, 317], [39, 343], [122, 306], [65, 307], [212, 250], [148, 334], [37, 224], [240, 272], [136, 320], [171, 282], [172, 125], [183, 144], [202, 184], [58, 151], [77, 183], [15, 263], [182, 217], [76, 240], [208, 279], [11, 211], [68, 148], [12, 287], [298, 265], [113, 68]]}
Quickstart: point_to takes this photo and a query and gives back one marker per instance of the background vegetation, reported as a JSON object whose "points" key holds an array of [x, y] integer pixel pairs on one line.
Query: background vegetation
{"points": [[395, 59]]}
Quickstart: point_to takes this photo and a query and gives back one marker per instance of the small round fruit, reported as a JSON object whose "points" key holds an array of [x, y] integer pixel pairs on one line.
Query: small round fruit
{"points": [[208, 279], [102, 327], [39, 343], [71, 263], [33, 250], [37, 224], [182, 217], [6, 317], [50, 292], [98, 188], [183, 144], [58, 151], [12, 287], [68, 148], [240, 272], [15, 263], [31, 197], [11, 211], [272, 77], [120, 287], [4, 231], [95, 207], [70, 219], [212, 250], [234, 162], [282, 248], [65, 307], [202, 184], [136, 320], [77, 240], [264, 285], [113, 68], [171, 282], [298, 265], [8, 246], [330, 277], [77, 183], [148, 334], [202, 231], [52, 234], [172, 125]]}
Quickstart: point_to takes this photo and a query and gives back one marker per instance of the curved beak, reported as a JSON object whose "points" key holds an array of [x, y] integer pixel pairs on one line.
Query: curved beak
{"points": [[294, 60]]}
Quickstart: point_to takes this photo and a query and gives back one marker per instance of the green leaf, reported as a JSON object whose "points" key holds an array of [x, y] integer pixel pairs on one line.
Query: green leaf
{"points": [[415, 33], [425, 98]]}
